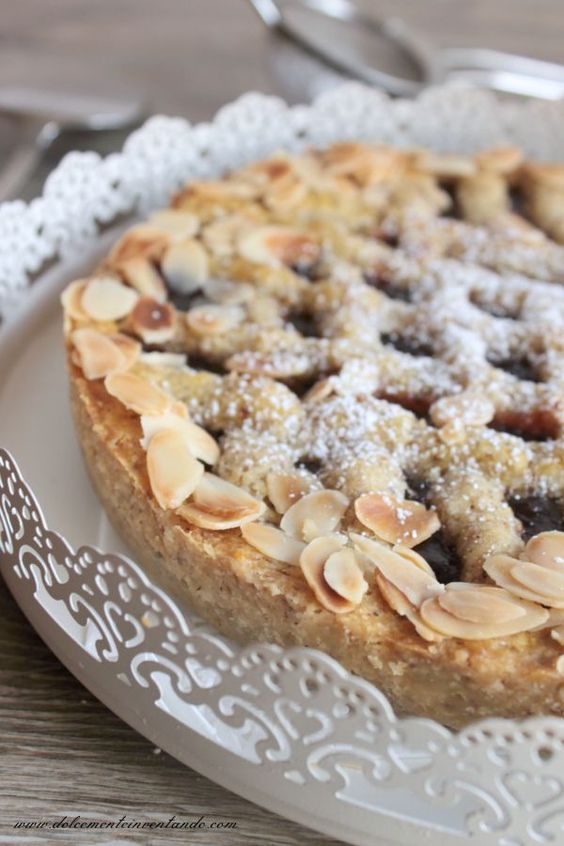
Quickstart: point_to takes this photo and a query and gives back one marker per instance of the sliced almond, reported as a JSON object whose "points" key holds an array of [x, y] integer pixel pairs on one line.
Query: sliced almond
{"points": [[467, 409], [402, 606], [173, 471], [416, 583], [201, 443], [128, 347], [217, 504], [176, 223], [501, 160], [344, 575], [98, 355], [140, 242], [225, 292], [154, 322], [434, 615], [501, 569], [275, 245], [212, 319], [321, 391], [137, 394], [71, 299], [445, 165], [413, 557], [106, 299], [174, 418], [285, 489], [273, 543], [315, 514], [176, 361], [558, 635], [469, 604], [546, 549], [144, 277], [185, 266], [396, 521], [312, 563], [542, 580]]}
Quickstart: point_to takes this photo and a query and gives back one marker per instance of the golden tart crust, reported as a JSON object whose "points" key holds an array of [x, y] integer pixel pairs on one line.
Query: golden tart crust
{"points": [[350, 396]]}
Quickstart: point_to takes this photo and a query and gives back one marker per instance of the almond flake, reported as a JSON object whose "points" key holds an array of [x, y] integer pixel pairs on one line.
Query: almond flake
{"points": [[185, 266], [173, 470], [344, 575], [137, 394], [501, 569], [470, 605], [144, 277], [445, 165], [558, 635], [174, 418], [321, 391], [106, 299], [153, 321], [501, 160], [275, 245], [217, 504], [434, 614], [98, 355], [71, 299], [466, 409], [176, 361], [212, 319], [546, 549], [285, 489], [402, 606], [225, 292], [312, 563], [416, 583], [315, 514], [273, 543], [128, 347], [396, 521], [539, 579], [175, 223], [140, 242]]}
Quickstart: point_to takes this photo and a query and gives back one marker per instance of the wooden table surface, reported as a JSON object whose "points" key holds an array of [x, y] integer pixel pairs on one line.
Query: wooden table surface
{"points": [[62, 752]]}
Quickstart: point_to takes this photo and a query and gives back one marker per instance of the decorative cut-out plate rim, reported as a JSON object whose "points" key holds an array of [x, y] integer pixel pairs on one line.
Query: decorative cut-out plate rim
{"points": [[500, 819]]}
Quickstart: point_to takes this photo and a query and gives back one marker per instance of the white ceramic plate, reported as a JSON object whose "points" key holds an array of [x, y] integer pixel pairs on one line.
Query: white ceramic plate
{"points": [[288, 729]]}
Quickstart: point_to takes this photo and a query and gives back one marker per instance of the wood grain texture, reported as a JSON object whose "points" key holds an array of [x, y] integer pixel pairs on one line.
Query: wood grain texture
{"points": [[61, 751]]}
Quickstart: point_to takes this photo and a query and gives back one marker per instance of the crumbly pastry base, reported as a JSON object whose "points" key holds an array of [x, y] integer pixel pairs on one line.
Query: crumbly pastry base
{"points": [[251, 598]]}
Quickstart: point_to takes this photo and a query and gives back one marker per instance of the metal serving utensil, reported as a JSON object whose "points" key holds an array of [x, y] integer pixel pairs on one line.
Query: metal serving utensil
{"points": [[43, 116], [493, 69]]}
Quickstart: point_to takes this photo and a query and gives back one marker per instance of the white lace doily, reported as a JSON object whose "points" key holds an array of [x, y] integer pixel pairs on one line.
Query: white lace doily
{"points": [[291, 724]]}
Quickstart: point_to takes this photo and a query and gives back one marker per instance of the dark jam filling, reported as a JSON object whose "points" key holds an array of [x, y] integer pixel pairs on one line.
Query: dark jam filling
{"points": [[197, 362], [521, 368], [183, 302], [436, 550], [441, 556], [312, 272], [495, 309], [304, 324], [537, 514], [537, 425], [394, 292], [407, 344]]}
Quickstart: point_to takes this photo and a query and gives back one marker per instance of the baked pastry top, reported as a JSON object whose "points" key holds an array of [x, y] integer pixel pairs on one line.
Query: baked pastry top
{"points": [[331, 384]]}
